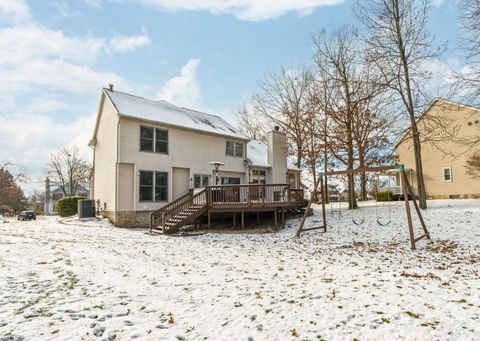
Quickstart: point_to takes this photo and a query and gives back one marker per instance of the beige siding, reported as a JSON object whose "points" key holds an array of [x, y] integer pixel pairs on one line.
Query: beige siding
{"points": [[125, 186], [106, 157], [187, 149], [453, 154]]}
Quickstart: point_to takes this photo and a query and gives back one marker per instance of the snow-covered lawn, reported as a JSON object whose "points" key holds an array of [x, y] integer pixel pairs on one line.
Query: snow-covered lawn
{"points": [[90, 281]]}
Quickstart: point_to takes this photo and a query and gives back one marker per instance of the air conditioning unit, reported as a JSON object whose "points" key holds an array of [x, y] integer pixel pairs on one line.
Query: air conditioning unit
{"points": [[86, 208]]}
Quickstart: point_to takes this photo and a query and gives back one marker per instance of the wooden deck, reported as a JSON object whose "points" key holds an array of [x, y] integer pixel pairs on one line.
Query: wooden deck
{"points": [[226, 198]]}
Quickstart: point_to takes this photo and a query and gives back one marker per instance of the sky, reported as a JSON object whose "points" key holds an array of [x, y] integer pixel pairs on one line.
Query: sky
{"points": [[56, 55]]}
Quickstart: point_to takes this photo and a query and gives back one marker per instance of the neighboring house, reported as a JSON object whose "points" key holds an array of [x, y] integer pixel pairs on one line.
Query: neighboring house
{"points": [[444, 157], [149, 153], [57, 193]]}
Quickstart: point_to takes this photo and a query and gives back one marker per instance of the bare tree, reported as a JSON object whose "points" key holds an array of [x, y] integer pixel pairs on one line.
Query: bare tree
{"points": [[468, 79], [338, 59], [68, 169], [250, 124], [282, 99], [399, 44], [473, 165]]}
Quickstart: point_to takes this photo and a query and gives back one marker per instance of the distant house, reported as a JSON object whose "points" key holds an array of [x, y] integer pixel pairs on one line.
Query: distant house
{"points": [[444, 161], [57, 193], [149, 153]]}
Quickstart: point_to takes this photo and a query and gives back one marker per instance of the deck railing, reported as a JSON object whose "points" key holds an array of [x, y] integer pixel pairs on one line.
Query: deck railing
{"points": [[262, 195]]}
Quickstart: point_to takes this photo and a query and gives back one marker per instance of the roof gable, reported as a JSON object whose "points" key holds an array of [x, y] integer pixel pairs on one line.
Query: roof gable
{"points": [[257, 153]]}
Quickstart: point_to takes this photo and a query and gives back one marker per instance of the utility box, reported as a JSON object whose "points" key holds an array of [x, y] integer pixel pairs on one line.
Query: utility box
{"points": [[86, 208]]}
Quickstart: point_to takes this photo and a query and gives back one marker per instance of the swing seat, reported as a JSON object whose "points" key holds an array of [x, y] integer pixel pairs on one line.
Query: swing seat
{"points": [[358, 222], [379, 222]]}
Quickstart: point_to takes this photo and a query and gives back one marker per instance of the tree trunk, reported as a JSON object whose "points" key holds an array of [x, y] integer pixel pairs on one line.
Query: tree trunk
{"points": [[363, 181], [325, 178], [417, 149]]}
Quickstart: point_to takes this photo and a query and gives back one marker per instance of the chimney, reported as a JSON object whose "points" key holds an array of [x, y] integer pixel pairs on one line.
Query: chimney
{"points": [[110, 86], [277, 155]]}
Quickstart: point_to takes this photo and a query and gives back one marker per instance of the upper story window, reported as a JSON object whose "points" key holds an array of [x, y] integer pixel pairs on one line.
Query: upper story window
{"points": [[234, 148], [153, 140], [447, 174]]}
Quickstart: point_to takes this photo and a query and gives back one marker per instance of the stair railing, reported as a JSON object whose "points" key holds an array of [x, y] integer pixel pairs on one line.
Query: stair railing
{"points": [[196, 202]]}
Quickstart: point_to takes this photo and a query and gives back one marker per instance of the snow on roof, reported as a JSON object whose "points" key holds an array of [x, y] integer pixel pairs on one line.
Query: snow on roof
{"points": [[257, 153], [167, 113]]}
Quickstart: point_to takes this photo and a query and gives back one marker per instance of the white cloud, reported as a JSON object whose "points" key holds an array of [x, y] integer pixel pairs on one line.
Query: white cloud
{"points": [[250, 10], [27, 139], [14, 11], [438, 3], [128, 43], [40, 68], [184, 89]]}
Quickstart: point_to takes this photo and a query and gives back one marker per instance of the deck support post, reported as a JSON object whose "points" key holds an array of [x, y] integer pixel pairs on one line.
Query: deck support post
{"points": [[275, 217], [208, 214], [258, 218], [243, 220], [234, 220]]}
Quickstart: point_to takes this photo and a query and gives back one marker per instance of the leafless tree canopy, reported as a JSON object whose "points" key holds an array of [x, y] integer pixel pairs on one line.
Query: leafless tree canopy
{"points": [[67, 169], [473, 165], [282, 98], [469, 78], [399, 44], [250, 124]]}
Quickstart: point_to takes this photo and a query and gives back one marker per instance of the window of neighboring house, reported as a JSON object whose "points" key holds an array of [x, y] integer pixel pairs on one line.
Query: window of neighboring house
{"points": [[146, 139], [153, 186], [258, 176], [447, 174], [234, 148], [153, 140], [200, 180]]}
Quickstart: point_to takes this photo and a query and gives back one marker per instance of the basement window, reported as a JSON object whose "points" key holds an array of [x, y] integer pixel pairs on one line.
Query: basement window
{"points": [[447, 174]]}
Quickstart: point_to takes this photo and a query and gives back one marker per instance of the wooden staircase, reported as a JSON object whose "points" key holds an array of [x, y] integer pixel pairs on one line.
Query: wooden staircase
{"points": [[170, 218]]}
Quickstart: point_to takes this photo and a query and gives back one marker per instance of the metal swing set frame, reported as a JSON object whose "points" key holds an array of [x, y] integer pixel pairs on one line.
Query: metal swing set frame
{"points": [[407, 191]]}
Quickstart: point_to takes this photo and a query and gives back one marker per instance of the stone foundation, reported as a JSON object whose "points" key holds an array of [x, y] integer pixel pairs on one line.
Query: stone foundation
{"points": [[454, 196], [129, 219]]}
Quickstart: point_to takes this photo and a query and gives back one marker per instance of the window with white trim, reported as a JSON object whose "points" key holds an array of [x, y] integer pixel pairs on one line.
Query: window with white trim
{"points": [[258, 176], [153, 140], [153, 186], [234, 148], [447, 174], [200, 180]]}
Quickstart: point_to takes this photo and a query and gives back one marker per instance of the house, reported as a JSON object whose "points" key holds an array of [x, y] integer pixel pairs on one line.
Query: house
{"points": [[147, 154], [444, 127], [53, 196]]}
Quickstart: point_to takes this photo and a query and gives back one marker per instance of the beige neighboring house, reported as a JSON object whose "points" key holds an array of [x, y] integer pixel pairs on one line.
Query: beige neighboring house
{"points": [[148, 153], [444, 163]]}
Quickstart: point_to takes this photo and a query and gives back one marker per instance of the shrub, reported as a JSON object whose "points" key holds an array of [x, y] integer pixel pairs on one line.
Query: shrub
{"points": [[384, 196], [68, 206]]}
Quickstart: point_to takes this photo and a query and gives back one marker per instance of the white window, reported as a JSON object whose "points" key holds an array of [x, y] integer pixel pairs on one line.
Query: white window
{"points": [[258, 176], [447, 174], [234, 148], [200, 180]]}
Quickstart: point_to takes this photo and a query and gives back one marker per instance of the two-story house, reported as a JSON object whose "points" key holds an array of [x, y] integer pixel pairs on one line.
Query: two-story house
{"points": [[445, 128], [148, 153]]}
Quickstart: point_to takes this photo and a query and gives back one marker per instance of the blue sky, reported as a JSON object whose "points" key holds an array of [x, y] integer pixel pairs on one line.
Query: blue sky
{"points": [[55, 55]]}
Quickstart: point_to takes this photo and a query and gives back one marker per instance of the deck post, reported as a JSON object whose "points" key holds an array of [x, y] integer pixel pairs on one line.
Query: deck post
{"points": [[234, 219], [275, 217], [258, 218], [243, 220], [208, 214]]}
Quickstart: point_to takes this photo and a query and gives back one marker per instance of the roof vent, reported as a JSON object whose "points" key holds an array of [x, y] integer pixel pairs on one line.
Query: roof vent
{"points": [[110, 86], [277, 128]]}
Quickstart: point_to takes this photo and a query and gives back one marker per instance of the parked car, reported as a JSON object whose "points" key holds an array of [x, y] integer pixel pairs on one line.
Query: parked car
{"points": [[27, 215]]}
